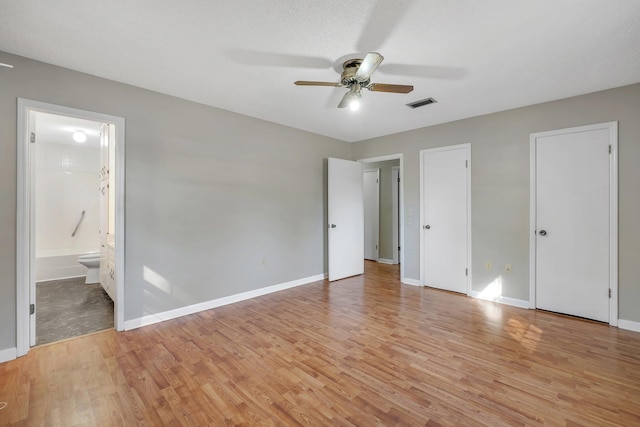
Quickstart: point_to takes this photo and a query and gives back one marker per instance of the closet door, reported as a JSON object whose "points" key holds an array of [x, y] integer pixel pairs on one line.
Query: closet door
{"points": [[445, 218], [572, 221]]}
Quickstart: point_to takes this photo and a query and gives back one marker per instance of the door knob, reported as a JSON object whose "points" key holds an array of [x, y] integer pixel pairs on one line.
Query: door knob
{"points": [[427, 227], [332, 225], [543, 232]]}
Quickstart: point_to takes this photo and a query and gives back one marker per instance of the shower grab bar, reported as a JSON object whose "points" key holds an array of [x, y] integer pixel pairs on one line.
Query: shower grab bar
{"points": [[75, 230]]}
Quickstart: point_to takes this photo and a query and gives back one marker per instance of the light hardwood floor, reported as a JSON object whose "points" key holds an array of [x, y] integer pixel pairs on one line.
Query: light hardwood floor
{"points": [[362, 351]]}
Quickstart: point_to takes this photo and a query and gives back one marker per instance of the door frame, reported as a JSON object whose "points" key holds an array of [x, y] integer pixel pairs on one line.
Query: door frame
{"points": [[25, 218], [612, 127], [364, 192], [397, 156], [467, 148]]}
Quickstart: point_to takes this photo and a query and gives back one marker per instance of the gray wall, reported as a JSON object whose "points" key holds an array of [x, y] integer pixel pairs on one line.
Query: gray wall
{"points": [[216, 203], [500, 184], [385, 231]]}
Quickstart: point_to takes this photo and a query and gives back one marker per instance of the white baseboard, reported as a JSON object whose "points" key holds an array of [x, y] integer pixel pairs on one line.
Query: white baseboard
{"points": [[8, 354], [385, 261], [207, 305], [629, 325], [502, 300], [60, 278], [412, 282]]}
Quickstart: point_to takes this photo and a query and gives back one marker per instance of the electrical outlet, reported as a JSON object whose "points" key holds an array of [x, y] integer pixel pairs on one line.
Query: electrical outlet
{"points": [[489, 266], [507, 268], [264, 261]]}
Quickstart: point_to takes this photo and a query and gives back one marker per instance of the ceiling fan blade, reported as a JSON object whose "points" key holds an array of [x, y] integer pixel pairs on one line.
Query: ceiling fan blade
{"points": [[306, 83], [382, 87], [369, 65], [272, 59], [385, 17], [424, 71]]}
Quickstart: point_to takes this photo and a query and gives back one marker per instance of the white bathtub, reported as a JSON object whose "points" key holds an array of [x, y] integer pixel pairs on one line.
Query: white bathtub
{"points": [[56, 267]]}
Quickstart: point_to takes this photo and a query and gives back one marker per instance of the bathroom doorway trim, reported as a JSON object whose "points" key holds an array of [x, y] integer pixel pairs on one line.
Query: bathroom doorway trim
{"points": [[25, 221]]}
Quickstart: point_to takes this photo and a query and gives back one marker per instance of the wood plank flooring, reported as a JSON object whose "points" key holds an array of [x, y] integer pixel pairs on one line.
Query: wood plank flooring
{"points": [[363, 351]]}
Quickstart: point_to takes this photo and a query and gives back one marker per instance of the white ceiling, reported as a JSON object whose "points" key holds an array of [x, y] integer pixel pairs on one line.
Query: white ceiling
{"points": [[52, 128], [474, 57]]}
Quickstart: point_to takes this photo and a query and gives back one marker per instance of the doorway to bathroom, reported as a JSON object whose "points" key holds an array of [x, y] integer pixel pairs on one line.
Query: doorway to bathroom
{"points": [[70, 223]]}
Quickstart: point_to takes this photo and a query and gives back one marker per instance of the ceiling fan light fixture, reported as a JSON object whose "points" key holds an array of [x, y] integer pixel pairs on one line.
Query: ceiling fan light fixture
{"points": [[352, 98]]}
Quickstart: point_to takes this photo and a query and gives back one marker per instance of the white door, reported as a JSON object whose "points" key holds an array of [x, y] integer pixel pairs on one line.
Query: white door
{"points": [[371, 182], [346, 219], [445, 217], [395, 200], [572, 221]]}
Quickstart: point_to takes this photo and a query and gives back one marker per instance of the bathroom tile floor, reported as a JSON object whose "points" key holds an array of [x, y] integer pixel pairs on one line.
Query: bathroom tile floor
{"points": [[68, 308]]}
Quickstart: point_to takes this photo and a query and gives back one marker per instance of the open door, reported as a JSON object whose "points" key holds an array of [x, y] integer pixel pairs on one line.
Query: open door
{"points": [[346, 219], [371, 191], [395, 197]]}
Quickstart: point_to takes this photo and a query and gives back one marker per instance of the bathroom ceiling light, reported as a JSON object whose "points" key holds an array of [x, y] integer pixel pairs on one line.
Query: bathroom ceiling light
{"points": [[79, 136]]}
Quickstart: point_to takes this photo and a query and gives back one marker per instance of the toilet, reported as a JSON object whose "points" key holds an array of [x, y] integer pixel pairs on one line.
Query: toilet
{"points": [[91, 260]]}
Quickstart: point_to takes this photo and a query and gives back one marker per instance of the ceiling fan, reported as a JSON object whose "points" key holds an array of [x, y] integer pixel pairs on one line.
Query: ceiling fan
{"points": [[356, 75]]}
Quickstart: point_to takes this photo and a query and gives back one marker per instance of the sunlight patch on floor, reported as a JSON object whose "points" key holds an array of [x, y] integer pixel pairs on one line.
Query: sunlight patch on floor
{"points": [[527, 334]]}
